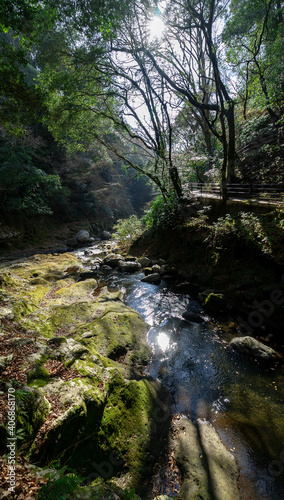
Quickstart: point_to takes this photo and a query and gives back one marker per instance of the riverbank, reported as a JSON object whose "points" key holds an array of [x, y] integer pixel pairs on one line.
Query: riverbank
{"points": [[240, 268], [73, 355]]}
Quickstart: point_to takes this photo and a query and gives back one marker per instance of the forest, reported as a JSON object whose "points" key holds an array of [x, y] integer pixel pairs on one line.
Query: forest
{"points": [[141, 210]]}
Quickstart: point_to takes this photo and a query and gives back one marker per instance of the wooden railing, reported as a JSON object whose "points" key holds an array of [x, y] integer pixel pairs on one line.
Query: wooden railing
{"points": [[265, 192]]}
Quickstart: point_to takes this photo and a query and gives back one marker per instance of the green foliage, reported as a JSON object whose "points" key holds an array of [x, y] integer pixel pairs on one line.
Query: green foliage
{"points": [[128, 229], [201, 221], [25, 189], [61, 487], [22, 100], [163, 213], [254, 39], [260, 151], [244, 228], [129, 494]]}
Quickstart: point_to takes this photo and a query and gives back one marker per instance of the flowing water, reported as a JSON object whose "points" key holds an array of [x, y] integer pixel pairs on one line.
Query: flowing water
{"points": [[240, 397]]}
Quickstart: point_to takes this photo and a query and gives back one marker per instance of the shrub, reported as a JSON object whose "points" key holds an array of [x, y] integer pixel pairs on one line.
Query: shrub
{"points": [[163, 213], [61, 487], [245, 228], [128, 229]]}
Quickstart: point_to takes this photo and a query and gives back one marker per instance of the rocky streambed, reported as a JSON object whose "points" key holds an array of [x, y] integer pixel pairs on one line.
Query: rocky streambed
{"points": [[125, 406]]}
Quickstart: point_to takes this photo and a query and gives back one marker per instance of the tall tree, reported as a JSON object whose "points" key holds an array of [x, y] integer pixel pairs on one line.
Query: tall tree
{"points": [[254, 35]]}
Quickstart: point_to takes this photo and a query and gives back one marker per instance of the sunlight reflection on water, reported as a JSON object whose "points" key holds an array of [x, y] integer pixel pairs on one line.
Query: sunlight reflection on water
{"points": [[163, 341]]}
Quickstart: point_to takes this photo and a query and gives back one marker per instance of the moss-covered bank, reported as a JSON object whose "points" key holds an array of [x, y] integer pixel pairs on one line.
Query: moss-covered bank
{"points": [[74, 353]]}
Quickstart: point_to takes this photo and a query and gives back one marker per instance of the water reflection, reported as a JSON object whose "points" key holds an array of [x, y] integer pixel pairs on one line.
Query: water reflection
{"points": [[163, 341]]}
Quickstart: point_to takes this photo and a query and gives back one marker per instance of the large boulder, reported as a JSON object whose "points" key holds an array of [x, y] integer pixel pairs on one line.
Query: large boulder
{"points": [[83, 236], [105, 235], [129, 266], [153, 278], [252, 347], [145, 262], [215, 303]]}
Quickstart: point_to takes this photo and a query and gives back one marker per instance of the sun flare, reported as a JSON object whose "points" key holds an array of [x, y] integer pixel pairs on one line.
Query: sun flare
{"points": [[156, 27], [163, 341]]}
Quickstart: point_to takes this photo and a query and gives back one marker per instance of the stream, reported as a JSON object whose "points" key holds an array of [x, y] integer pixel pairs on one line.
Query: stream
{"points": [[240, 397]]}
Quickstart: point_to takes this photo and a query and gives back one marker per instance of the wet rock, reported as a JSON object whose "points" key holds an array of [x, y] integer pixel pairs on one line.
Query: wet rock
{"points": [[202, 296], [252, 347], [97, 261], [199, 451], [215, 303], [147, 271], [189, 288], [113, 259], [129, 267], [154, 278], [169, 277], [145, 262], [105, 235], [58, 248], [82, 236], [169, 270], [72, 242], [156, 268], [195, 318]]}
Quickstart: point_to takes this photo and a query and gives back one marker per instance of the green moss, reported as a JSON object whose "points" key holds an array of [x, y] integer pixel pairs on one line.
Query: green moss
{"points": [[125, 425], [75, 432], [76, 292], [215, 303], [39, 372], [119, 327], [103, 490], [88, 369], [32, 410], [6, 280]]}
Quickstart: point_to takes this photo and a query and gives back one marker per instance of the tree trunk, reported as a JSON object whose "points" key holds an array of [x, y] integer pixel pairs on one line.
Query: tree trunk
{"points": [[225, 160], [174, 176], [231, 143]]}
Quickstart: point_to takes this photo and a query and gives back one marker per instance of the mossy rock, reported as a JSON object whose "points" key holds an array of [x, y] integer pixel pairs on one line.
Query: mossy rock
{"points": [[215, 303], [77, 292], [102, 491], [38, 372], [32, 410], [125, 427], [202, 296], [110, 426], [99, 412], [70, 432]]}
